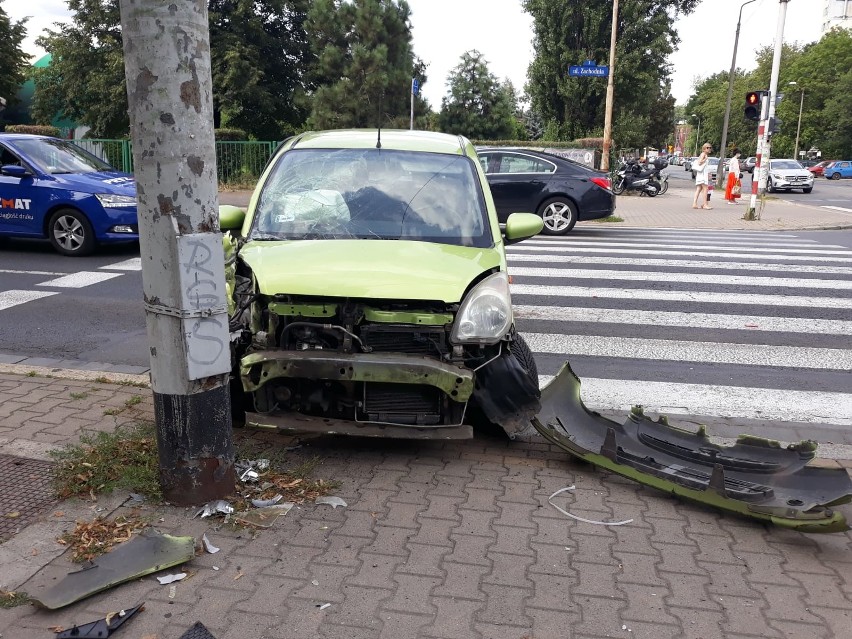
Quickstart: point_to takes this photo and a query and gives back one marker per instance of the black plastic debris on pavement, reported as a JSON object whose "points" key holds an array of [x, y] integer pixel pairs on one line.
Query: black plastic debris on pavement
{"points": [[198, 631], [102, 627]]}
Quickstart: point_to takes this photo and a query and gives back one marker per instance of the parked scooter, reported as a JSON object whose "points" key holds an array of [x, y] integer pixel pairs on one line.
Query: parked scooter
{"points": [[632, 176]]}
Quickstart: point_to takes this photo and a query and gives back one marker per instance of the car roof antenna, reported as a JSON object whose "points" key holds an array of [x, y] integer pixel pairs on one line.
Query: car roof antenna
{"points": [[379, 131]]}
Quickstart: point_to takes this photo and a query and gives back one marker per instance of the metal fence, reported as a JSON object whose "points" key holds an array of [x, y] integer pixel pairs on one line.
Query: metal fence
{"points": [[236, 162]]}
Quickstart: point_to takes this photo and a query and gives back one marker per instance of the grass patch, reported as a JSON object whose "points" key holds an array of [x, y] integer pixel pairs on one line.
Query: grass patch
{"points": [[113, 411], [136, 399], [92, 539], [121, 382], [83, 395], [32, 374], [611, 218], [12, 599], [125, 459]]}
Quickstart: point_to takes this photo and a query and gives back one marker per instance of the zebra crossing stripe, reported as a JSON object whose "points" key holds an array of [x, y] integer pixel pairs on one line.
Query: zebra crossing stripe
{"points": [[808, 407], [652, 277], [682, 264], [761, 248], [685, 351], [713, 321], [133, 264], [11, 298], [591, 292], [547, 252], [79, 279]]}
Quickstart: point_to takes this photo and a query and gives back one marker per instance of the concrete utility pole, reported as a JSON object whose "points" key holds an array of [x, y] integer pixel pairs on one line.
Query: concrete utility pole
{"points": [[723, 147], [610, 90], [169, 86], [764, 143]]}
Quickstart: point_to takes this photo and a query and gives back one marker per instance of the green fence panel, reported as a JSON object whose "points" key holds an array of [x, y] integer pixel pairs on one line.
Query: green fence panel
{"points": [[115, 152], [241, 162], [236, 162]]}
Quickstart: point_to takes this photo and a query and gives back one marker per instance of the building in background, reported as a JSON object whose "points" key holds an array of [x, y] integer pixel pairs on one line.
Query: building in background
{"points": [[836, 13]]}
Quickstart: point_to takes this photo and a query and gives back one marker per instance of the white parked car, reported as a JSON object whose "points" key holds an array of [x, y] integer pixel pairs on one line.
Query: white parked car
{"points": [[785, 175]]}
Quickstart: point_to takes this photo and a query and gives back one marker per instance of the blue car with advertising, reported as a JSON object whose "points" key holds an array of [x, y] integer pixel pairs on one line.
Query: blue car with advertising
{"points": [[52, 188]]}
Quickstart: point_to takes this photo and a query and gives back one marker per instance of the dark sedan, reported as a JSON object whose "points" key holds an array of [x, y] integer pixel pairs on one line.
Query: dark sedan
{"points": [[561, 191]]}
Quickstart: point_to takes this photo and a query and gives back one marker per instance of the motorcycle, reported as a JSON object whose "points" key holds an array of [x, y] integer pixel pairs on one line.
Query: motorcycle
{"points": [[632, 176]]}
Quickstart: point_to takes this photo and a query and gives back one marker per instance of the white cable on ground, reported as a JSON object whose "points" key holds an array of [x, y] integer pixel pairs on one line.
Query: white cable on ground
{"points": [[588, 521]]}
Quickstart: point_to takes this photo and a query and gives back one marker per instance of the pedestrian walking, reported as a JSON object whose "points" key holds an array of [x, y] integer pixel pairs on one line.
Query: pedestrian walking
{"points": [[700, 165], [734, 186]]}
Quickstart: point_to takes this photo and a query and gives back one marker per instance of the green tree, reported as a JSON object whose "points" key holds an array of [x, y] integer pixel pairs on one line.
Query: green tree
{"points": [[476, 104], [259, 49], [12, 73], [85, 79], [567, 33], [259, 52], [363, 63]]}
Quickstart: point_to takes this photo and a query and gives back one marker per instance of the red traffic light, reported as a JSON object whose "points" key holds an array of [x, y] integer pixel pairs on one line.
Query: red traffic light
{"points": [[753, 104]]}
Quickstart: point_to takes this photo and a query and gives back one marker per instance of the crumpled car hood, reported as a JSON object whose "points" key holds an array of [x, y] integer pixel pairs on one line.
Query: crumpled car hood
{"points": [[368, 269]]}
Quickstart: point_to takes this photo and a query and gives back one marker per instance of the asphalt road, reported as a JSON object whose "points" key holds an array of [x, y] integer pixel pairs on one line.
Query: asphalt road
{"points": [[743, 324]]}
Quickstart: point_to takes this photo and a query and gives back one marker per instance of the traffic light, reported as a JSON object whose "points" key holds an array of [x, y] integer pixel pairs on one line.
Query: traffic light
{"points": [[754, 104]]}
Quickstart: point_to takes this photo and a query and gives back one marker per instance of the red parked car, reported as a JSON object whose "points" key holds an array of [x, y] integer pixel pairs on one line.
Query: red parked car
{"points": [[818, 169]]}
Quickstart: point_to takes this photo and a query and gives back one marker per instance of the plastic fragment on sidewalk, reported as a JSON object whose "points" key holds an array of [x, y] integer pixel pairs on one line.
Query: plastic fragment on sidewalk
{"points": [[583, 519], [249, 469], [264, 517], [214, 507], [334, 502], [263, 503], [167, 579], [100, 628], [198, 631], [323, 606], [209, 547], [144, 554]]}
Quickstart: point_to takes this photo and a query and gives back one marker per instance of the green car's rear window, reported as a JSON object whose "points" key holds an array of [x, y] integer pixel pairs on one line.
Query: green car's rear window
{"points": [[372, 194]]}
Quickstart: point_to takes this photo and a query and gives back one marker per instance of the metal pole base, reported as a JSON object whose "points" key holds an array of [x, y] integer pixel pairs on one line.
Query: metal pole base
{"points": [[194, 443]]}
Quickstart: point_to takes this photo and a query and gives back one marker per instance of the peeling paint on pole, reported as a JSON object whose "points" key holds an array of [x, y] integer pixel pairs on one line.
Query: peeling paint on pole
{"points": [[169, 88]]}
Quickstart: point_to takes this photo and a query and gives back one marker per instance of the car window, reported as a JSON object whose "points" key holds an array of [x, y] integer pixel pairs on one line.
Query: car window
{"points": [[58, 156], [520, 163], [844, 165], [785, 164], [372, 194], [7, 157]]}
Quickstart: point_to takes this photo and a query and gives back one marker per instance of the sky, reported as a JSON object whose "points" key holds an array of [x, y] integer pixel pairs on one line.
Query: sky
{"points": [[443, 30]]}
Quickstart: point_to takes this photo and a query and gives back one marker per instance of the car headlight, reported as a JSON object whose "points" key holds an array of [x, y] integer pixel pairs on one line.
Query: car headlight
{"points": [[111, 201], [777, 177], [485, 315]]}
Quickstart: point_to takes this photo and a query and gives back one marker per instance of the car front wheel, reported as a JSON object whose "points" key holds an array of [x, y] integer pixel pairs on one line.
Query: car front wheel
{"points": [[559, 215], [807, 190], [769, 187], [70, 233]]}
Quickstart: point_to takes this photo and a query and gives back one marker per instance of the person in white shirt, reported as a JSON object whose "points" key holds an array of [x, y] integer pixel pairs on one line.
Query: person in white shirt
{"points": [[700, 166], [733, 188]]}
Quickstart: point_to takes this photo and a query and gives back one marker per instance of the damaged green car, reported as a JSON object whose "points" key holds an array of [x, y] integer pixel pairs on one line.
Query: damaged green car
{"points": [[368, 295], [369, 292]]}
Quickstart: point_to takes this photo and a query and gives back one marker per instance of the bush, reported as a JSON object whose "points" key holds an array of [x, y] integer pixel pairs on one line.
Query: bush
{"points": [[33, 129], [230, 135]]}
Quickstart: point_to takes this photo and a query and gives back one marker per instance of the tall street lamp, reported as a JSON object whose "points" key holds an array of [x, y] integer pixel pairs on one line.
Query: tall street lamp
{"points": [[698, 134], [722, 148], [799, 125]]}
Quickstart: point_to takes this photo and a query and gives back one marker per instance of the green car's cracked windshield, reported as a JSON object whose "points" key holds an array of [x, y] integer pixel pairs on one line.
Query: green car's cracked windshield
{"points": [[372, 194]]}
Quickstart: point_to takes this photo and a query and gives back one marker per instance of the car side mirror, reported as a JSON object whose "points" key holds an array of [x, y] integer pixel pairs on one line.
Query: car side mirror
{"points": [[231, 218], [14, 170], [521, 226]]}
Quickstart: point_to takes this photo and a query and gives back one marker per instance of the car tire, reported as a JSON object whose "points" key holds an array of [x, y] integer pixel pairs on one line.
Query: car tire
{"points": [[523, 353], [559, 215], [71, 233], [769, 187], [807, 190], [835, 176]]}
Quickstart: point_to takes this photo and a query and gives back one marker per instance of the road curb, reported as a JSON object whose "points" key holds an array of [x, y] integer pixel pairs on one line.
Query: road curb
{"points": [[77, 374]]}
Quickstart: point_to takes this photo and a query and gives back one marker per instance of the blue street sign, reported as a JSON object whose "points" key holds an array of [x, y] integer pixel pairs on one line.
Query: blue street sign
{"points": [[415, 86], [588, 69]]}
